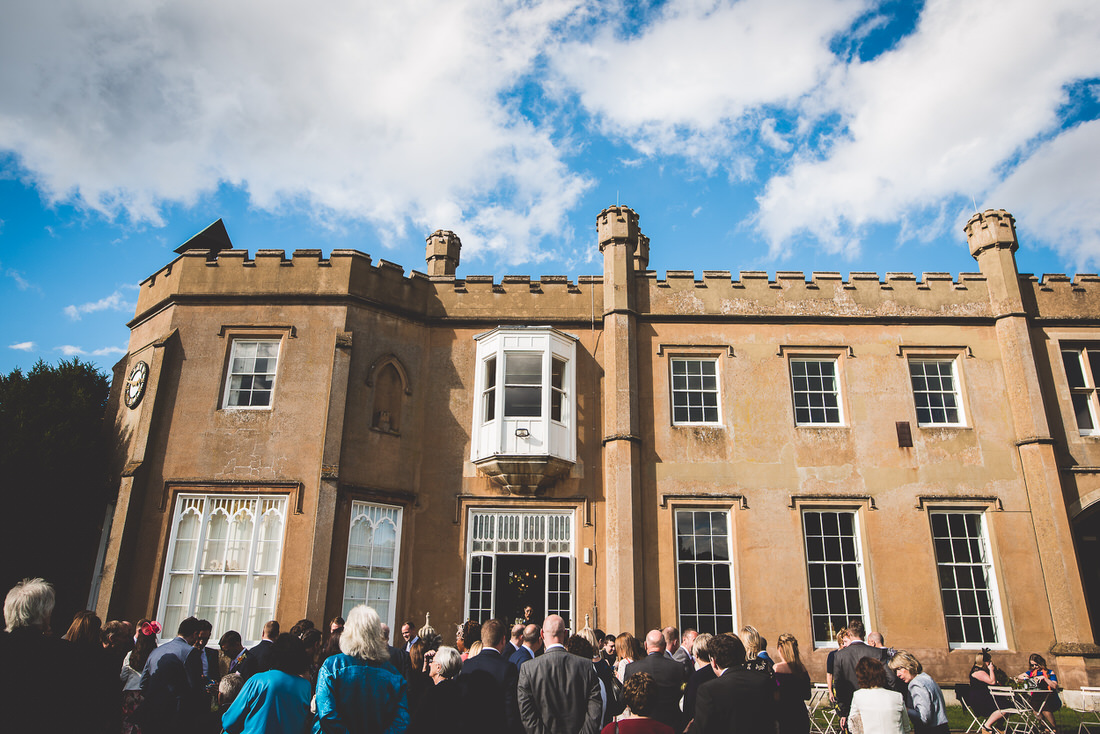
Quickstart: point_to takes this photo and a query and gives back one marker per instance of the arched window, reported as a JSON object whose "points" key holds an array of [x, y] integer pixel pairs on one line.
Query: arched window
{"points": [[391, 384]]}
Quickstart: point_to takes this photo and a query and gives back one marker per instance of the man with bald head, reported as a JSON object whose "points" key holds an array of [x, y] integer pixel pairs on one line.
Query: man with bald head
{"points": [[559, 693], [532, 643], [668, 674]]}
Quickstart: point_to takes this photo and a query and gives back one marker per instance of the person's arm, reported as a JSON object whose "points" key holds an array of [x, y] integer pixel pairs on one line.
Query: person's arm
{"points": [[704, 705], [906, 724], [922, 703], [853, 720], [528, 711], [985, 675], [234, 717], [328, 718], [595, 705], [401, 719]]}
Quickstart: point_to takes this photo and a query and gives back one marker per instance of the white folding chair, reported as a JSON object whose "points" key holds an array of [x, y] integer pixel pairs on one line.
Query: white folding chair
{"points": [[819, 707], [1090, 706], [1030, 706], [1015, 718]]}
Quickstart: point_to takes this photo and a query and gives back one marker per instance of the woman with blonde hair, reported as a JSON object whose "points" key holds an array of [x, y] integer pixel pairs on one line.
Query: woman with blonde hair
{"points": [[754, 645], [793, 681], [359, 691], [927, 710]]}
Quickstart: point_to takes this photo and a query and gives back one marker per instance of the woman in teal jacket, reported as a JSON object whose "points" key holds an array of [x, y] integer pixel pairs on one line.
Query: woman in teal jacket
{"points": [[359, 692], [275, 701]]}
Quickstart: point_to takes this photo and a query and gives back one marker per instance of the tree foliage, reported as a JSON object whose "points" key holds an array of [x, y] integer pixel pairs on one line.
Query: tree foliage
{"points": [[54, 454]]}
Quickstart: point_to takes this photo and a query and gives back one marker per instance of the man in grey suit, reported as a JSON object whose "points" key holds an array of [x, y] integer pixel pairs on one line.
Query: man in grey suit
{"points": [[559, 693], [171, 684], [845, 682]]}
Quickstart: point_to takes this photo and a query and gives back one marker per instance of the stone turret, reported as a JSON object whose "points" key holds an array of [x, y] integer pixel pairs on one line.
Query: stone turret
{"points": [[991, 236], [993, 228], [618, 225], [442, 253]]}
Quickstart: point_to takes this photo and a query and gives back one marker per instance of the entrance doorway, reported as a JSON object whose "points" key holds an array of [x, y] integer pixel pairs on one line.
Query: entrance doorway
{"points": [[520, 582], [519, 558]]}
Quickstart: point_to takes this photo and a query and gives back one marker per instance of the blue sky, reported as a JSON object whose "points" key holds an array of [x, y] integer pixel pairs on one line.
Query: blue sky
{"points": [[829, 135]]}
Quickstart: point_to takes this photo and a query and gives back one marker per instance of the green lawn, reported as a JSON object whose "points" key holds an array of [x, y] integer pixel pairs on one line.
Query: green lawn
{"points": [[1065, 718]]}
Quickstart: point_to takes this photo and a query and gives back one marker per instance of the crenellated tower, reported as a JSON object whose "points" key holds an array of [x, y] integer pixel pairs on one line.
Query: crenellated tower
{"points": [[442, 253]]}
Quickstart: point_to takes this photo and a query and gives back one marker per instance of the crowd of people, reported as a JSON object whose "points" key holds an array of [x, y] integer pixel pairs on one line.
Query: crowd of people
{"points": [[496, 679]]}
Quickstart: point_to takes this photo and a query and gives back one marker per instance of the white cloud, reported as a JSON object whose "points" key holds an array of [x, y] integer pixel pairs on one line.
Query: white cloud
{"points": [[942, 117], [395, 113], [685, 83], [24, 346], [70, 351], [114, 302], [20, 282], [1056, 198], [108, 351]]}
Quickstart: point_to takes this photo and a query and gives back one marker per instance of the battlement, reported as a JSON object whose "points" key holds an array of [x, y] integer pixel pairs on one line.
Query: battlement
{"points": [[306, 276], [1058, 296], [823, 294]]}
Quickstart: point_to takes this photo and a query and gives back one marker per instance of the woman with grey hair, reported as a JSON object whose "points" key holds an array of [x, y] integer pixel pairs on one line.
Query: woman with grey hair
{"points": [[450, 704], [359, 691], [925, 700]]}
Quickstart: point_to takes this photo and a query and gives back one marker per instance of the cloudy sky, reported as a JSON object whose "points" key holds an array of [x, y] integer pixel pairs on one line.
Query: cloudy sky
{"points": [[840, 135]]}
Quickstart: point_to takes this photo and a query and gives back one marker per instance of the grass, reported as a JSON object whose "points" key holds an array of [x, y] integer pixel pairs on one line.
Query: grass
{"points": [[1065, 718]]}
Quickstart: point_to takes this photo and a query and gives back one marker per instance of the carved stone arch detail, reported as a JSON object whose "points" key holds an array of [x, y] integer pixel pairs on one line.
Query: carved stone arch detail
{"points": [[390, 359], [389, 383]]}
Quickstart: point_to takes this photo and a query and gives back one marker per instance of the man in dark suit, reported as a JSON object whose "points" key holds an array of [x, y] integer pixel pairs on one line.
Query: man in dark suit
{"points": [[668, 674], [494, 679], [739, 701], [558, 693], [532, 643], [261, 653], [398, 657], [515, 643], [171, 684], [845, 682], [234, 652]]}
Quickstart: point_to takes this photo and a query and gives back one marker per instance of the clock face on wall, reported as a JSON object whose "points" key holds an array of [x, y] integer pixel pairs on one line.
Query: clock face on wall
{"points": [[135, 384]]}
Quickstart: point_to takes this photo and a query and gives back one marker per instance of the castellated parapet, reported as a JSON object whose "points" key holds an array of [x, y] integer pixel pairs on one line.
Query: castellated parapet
{"points": [[306, 275]]}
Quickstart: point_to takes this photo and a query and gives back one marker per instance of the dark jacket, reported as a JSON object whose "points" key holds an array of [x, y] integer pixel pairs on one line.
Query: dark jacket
{"points": [[498, 679], [738, 702], [669, 676], [844, 671]]}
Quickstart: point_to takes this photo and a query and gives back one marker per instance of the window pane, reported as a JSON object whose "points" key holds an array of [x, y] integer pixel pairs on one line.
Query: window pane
{"points": [[522, 402], [523, 369], [1074, 374], [252, 368], [371, 570], [703, 571], [814, 392], [835, 571], [236, 567], [970, 614], [694, 391]]}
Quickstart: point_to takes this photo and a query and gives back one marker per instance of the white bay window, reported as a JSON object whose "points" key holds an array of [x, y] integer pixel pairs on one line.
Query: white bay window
{"points": [[525, 382]]}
